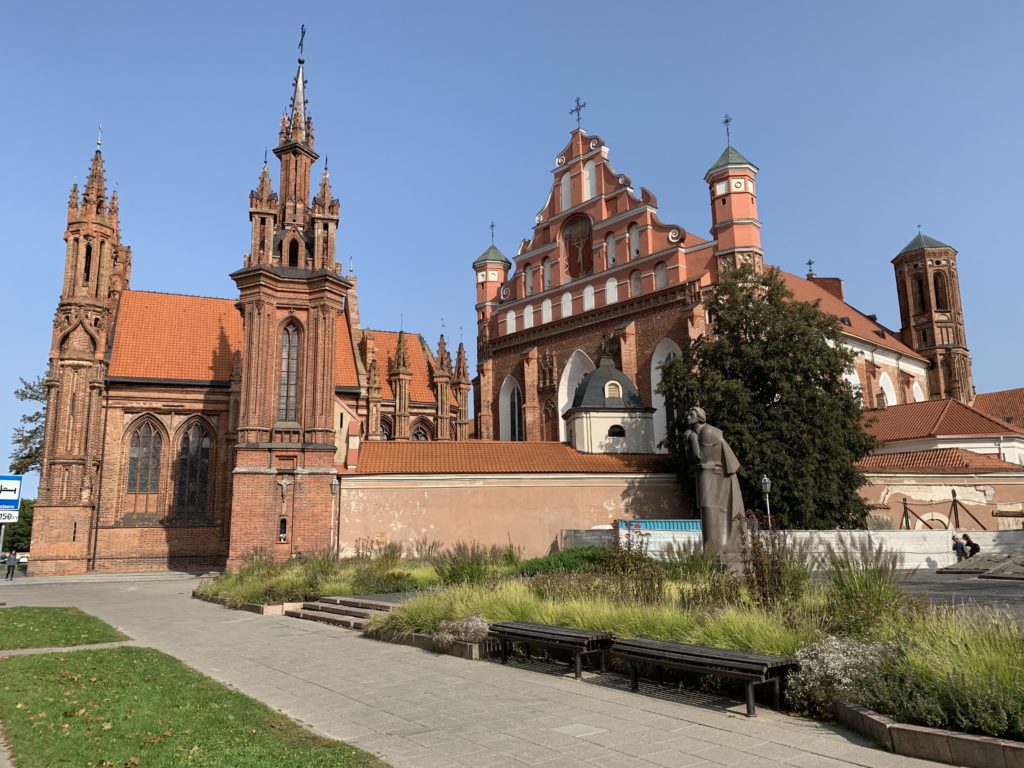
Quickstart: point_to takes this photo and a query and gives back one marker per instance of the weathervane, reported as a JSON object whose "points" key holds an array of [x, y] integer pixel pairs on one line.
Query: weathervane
{"points": [[577, 110], [99, 135], [302, 38], [726, 121], [810, 267], [492, 233]]}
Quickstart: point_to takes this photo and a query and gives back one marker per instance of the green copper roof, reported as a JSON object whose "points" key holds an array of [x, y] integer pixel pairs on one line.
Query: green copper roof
{"points": [[923, 241], [731, 156], [490, 256]]}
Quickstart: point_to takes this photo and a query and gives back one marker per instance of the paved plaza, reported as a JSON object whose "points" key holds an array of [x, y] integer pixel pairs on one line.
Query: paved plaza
{"points": [[420, 710]]}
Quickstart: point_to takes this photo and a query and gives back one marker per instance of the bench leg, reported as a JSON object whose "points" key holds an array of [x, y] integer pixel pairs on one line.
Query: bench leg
{"points": [[634, 683], [601, 661], [504, 651], [578, 665], [777, 693], [526, 647], [750, 700]]}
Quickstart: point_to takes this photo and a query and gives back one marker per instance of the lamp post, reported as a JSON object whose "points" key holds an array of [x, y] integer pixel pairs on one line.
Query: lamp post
{"points": [[766, 489]]}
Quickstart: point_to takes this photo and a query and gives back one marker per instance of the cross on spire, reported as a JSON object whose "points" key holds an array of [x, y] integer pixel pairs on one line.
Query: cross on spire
{"points": [[302, 39], [578, 110], [810, 267], [727, 121], [492, 233]]}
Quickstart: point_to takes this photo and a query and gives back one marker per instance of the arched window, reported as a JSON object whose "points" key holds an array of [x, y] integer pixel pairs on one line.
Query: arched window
{"points": [[548, 273], [613, 391], [634, 242], [387, 428], [589, 180], [566, 185], [87, 268], [917, 392], [289, 383], [609, 251], [588, 298], [510, 407], [853, 380], [282, 529], [663, 413], [529, 273], [144, 460], [293, 253], [578, 245], [576, 367], [660, 276], [611, 291], [528, 316], [887, 395], [545, 311], [635, 286], [566, 305], [616, 430], [941, 294], [510, 321], [920, 304], [420, 433], [193, 472]]}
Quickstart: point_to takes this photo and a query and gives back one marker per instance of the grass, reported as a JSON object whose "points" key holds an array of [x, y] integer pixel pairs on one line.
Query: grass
{"points": [[129, 707], [52, 628]]}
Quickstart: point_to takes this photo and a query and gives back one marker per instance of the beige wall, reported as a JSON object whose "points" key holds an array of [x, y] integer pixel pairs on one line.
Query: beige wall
{"points": [[492, 509]]}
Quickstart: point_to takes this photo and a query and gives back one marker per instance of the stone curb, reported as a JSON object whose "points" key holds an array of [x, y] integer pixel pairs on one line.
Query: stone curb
{"points": [[273, 609], [950, 747], [471, 651]]}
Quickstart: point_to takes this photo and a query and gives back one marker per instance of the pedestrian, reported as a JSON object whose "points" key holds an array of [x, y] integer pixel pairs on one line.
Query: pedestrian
{"points": [[753, 523], [958, 548], [12, 563], [971, 546]]}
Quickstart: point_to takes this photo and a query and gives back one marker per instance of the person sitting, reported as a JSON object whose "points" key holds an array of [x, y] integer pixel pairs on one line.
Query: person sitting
{"points": [[971, 546], [958, 548]]}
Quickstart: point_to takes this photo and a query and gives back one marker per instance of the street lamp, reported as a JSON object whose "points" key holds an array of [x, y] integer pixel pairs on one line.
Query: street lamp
{"points": [[766, 489]]}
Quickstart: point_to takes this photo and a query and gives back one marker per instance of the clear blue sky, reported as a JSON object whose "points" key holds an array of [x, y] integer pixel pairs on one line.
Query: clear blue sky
{"points": [[866, 119]]}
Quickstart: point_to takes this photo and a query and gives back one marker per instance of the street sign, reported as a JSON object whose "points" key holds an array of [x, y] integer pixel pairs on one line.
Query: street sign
{"points": [[10, 498]]}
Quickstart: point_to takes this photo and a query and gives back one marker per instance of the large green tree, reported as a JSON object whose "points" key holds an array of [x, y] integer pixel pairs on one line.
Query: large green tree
{"points": [[769, 373], [28, 435]]}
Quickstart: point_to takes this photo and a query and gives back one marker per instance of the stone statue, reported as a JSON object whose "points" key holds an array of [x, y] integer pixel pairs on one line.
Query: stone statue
{"points": [[718, 487]]}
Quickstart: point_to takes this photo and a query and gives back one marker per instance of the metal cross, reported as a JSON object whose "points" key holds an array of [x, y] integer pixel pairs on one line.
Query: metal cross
{"points": [[577, 110], [810, 266], [726, 121], [492, 233], [302, 38]]}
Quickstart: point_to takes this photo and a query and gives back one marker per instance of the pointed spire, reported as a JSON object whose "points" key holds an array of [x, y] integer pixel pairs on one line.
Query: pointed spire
{"points": [[73, 200], [401, 362], [298, 123], [461, 366], [444, 358], [96, 183], [325, 187], [263, 188]]}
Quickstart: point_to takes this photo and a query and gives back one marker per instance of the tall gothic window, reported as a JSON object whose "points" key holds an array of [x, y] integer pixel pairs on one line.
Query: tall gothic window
{"points": [[515, 403], [919, 300], [193, 472], [941, 294], [289, 374], [144, 460], [87, 268]]}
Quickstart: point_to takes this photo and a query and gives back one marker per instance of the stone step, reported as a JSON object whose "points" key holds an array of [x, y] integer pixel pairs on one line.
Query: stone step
{"points": [[343, 610], [337, 620], [358, 602]]}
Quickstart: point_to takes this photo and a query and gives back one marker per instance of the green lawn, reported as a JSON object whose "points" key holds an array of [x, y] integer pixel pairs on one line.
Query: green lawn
{"points": [[127, 707], [52, 628]]}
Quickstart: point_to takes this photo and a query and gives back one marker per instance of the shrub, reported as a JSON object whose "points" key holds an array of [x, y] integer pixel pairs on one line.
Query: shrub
{"points": [[775, 569], [634, 576], [688, 561], [464, 563], [472, 629], [831, 669], [862, 591], [570, 585], [574, 559], [374, 581], [711, 591], [388, 556], [424, 548]]}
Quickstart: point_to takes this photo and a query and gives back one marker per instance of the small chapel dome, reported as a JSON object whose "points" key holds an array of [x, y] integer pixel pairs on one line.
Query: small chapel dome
{"points": [[607, 387]]}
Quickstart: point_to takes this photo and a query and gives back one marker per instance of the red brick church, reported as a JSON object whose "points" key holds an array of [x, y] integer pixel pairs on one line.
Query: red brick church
{"points": [[184, 431]]}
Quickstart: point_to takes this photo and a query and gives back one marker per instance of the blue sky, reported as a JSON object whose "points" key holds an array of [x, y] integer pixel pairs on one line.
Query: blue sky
{"points": [[866, 119]]}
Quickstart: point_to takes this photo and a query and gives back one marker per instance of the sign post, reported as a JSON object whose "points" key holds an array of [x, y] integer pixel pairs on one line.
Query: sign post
{"points": [[10, 503]]}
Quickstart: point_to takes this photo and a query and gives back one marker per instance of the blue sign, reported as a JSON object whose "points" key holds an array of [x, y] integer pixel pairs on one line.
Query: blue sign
{"points": [[10, 498]]}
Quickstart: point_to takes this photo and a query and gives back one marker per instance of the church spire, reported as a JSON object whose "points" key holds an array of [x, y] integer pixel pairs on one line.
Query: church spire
{"points": [[461, 366], [300, 126], [96, 184]]}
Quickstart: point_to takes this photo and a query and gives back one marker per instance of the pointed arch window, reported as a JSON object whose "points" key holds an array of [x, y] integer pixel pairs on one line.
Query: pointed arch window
{"points": [[516, 415], [510, 411], [144, 460], [289, 384], [420, 433], [193, 479], [293, 253], [919, 298], [941, 294], [87, 266]]}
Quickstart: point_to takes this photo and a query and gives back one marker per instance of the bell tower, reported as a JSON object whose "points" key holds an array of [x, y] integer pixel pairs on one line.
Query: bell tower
{"points": [[734, 223], [491, 269], [291, 297], [931, 315], [96, 270]]}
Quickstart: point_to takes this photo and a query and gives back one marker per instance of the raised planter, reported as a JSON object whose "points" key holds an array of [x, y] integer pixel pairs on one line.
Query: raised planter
{"points": [[951, 747], [472, 651], [273, 609]]}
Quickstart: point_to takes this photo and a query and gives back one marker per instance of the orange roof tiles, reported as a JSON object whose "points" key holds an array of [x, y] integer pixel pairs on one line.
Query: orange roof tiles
{"points": [[345, 358], [421, 362], [1007, 406], [495, 457], [169, 336], [940, 461], [932, 418], [861, 326]]}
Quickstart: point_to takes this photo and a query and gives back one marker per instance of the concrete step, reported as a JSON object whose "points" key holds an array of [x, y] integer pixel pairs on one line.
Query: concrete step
{"points": [[342, 610], [337, 620], [358, 602]]}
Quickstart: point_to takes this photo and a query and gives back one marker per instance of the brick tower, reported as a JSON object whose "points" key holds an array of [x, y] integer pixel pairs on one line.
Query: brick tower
{"points": [[96, 271], [734, 224], [291, 298], [932, 317]]}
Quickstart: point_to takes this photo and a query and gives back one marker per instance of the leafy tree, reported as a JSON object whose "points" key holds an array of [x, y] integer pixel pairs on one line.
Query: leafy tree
{"points": [[19, 534], [769, 373], [28, 436]]}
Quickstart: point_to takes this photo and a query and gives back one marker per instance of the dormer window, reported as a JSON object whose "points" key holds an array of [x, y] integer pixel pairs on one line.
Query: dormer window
{"points": [[613, 391]]}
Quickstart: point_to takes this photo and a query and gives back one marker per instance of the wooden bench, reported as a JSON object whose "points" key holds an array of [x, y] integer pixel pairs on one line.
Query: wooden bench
{"points": [[752, 668], [580, 642]]}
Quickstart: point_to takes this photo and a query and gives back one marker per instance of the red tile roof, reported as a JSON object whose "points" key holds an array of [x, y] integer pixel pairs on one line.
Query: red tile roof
{"points": [[940, 461], [169, 336], [421, 361], [860, 325], [191, 338], [495, 457], [932, 418], [1007, 404]]}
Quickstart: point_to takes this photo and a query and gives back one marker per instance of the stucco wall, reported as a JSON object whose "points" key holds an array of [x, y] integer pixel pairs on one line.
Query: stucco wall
{"points": [[529, 510], [994, 501]]}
